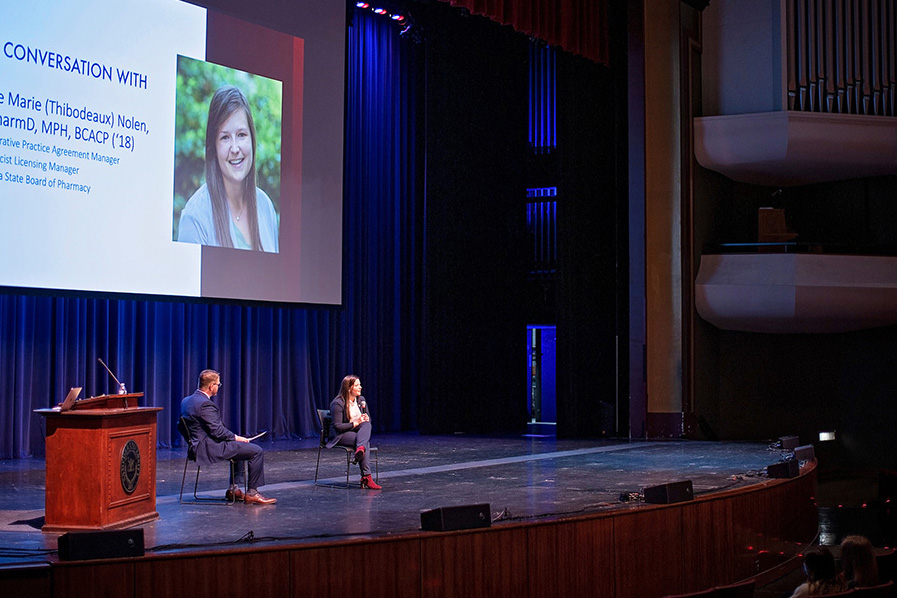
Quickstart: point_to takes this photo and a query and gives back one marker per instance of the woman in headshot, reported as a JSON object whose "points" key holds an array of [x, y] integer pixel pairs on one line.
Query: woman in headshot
{"points": [[351, 426], [858, 564], [229, 210], [822, 574]]}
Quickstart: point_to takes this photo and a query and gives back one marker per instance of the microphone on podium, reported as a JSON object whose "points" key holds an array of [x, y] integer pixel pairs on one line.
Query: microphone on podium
{"points": [[121, 387]]}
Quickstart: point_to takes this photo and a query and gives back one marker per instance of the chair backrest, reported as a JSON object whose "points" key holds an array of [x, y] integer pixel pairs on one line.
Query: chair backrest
{"points": [[699, 594], [184, 429], [838, 594], [885, 590], [887, 565], [742, 589], [324, 420]]}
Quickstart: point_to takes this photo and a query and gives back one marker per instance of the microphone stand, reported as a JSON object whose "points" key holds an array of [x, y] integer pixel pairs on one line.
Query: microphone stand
{"points": [[121, 387]]}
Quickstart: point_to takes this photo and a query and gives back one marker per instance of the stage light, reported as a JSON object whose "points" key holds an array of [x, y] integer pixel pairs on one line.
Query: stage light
{"points": [[824, 436], [385, 11]]}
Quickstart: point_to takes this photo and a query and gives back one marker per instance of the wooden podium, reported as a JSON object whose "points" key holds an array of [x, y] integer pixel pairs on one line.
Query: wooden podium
{"points": [[101, 464]]}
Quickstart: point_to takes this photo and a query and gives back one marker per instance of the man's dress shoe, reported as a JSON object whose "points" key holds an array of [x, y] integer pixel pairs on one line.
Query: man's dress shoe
{"points": [[258, 499]]}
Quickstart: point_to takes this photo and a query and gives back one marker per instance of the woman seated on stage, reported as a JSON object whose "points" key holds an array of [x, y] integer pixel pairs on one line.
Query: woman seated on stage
{"points": [[822, 574], [351, 426], [858, 564]]}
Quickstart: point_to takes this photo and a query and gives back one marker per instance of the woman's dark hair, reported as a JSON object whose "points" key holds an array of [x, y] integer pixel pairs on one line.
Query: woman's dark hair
{"points": [[820, 564], [227, 100], [822, 573], [344, 387], [858, 562]]}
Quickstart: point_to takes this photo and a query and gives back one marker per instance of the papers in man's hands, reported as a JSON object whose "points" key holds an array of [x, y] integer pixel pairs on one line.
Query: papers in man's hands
{"points": [[259, 435]]}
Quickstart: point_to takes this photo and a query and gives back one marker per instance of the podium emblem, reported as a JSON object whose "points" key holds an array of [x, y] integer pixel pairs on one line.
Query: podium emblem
{"points": [[130, 466]]}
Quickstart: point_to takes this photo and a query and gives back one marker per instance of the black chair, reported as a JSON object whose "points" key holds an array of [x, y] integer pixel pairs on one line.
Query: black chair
{"points": [[325, 420], [191, 456]]}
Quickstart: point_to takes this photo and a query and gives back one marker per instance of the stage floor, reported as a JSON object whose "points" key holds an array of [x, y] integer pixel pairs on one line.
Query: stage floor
{"points": [[521, 478]]}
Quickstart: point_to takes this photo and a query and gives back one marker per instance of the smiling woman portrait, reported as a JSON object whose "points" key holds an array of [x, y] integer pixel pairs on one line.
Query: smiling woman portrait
{"points": [[229, 210]]}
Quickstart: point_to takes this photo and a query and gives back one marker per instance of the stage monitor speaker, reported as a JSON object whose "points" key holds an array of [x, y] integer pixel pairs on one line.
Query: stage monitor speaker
{"points": [[84, 546], [446, 519], [788, 442], [669, 493], [785, 469], [805, 453]]}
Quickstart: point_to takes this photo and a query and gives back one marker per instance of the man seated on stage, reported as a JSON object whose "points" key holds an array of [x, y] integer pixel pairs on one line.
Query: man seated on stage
{"points": [[213, 442]]}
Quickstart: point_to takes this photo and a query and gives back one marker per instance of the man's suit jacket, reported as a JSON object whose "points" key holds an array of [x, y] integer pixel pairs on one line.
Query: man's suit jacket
{"points": [[209, 435]]}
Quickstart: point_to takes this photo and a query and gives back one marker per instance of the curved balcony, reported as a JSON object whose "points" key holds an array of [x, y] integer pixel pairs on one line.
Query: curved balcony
{"points": [[796, 148], [797, 293]]}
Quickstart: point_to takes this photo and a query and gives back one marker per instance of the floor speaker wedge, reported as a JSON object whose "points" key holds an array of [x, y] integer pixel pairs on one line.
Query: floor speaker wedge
{"points": [[665, 494], [788, 442], [85, 546], [446, 519], [805, 453], [784, 469]]}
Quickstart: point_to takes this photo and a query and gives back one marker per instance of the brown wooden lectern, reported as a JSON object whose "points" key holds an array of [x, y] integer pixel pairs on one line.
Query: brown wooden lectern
{"points": [[101, 464]]}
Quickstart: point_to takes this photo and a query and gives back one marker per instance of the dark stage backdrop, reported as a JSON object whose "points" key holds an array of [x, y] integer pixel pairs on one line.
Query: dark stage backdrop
{"points": [[277, 364], [476, 106]]}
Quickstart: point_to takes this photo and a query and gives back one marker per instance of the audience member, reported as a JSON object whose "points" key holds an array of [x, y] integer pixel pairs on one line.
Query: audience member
{"points": [[822, 574], [858, 565]]}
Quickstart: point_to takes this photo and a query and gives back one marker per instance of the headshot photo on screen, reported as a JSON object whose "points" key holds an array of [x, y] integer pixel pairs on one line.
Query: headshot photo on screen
{"points": [[227, 157]]}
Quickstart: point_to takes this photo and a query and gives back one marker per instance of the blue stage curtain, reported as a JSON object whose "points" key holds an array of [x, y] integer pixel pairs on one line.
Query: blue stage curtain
{"points": [[277, 364], [384, 215]]}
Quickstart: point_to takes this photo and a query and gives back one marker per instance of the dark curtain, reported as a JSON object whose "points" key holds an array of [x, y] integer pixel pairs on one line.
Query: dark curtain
{"points": [[591, 313], [277, 364], [476, 105], [577, 26]]}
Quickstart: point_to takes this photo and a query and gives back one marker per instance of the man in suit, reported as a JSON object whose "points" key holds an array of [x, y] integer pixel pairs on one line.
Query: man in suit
{"points": [[213, 442]]}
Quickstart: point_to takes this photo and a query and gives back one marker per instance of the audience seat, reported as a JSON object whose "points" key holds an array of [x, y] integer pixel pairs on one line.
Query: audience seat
{"points": [[837, 594], [887, 565], [885, 590], [699, 594], [741, 589]]}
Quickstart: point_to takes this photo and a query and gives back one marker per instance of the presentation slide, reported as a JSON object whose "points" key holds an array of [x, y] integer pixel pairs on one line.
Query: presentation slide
{"points": [[162, 148]]}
